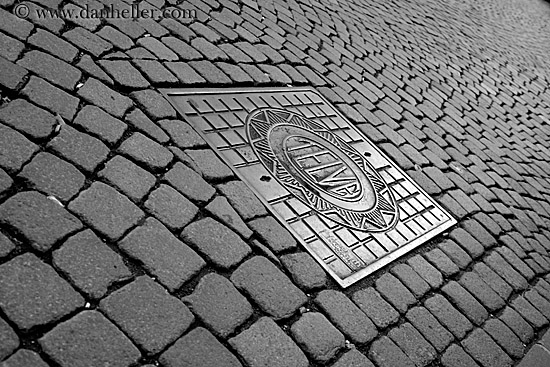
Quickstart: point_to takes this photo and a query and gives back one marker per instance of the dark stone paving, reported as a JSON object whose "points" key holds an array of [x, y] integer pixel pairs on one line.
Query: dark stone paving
{"points": [[125, 241]]}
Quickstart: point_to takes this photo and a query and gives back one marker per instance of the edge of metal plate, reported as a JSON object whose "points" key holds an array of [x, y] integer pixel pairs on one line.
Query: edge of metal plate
{"points": [[369, 269]]}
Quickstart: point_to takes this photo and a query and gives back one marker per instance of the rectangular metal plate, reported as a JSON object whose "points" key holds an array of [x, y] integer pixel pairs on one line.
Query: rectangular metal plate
{"points": [[349, 205]]}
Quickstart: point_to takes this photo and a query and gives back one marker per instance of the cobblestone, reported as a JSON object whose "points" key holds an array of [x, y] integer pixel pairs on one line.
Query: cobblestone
{"points": [[13, 75], [504, 337], [89, 338], [90, 264], [268, 287], [242, 199], [480, 346], [147, 314], [221, 210], [198, 348], [127, 177], [413, 344], [102, 125], [146, 151], [170, 207], [216, 242], [429, 327], [40, 221], [33, 294], [141, 122], [395, 292], [221, 307], [320, 339], [15, 149], [277, 237], [106, 210], [27, 118], [455, 356], [154, 104], [97, 93], [9, 341], [189, 183], [182, 134], [51, 69], [305, 271], [24, 358], [480, 290], [518, 325], [52, 98], [264, 344], [374, 306], [124, 73], [6, 246], [210, 166], [386, 354], [61, 180], [457, 323], [162, 254]]}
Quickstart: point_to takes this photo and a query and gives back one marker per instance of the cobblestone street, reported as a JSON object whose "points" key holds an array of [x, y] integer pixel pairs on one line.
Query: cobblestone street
{"points": [[125, 241]]}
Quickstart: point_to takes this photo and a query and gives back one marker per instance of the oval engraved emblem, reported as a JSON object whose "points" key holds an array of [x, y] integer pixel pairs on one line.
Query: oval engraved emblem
{"points": [[321, 170]]}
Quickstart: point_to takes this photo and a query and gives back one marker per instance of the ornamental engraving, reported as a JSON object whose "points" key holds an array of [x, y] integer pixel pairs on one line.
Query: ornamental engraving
{"points": [[321, 170], [337, 193]]}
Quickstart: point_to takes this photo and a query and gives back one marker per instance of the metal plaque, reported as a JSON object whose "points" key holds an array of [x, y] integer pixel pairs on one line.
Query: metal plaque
{"points": [[350, 206]]}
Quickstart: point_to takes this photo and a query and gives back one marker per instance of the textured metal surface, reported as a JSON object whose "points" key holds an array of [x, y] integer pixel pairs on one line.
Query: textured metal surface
{"points": [[351, 207]]}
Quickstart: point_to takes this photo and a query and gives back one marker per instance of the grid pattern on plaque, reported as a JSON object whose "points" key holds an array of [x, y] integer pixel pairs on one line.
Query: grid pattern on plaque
{"points": [[221, 118]]}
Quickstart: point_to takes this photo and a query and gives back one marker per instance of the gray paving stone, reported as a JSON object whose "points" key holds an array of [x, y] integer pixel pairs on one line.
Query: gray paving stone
{"points": [[15, 26], [516, 262], [182, 134], [221, 210], [480, 290], [185, 73], [480, 233], [536, 357], [411, 279], [430, 328], [493, 280], [430, 274], [500, 266], [127, 177], [386, 354], [455, 356], [504, 337], [155, 71], [442, 262], [465, 302], [413, 344], [219, 304], [184, 50], [519, 326], [453, 320], [52, 98], [210, 166], [24, 358], [146, 151], [150, 316], [395, 292], [171, 261], [88, 65], [90, 264], [320, 339], [15, 149], [106, 210], [81, 149], [89, 339], [273, 234], [33, 294], [268, 287], [61, 179], [198, 348], [170, 207], [353, 358], [528, 312], [39, 220], [10, 48], [469, 243], [216, 242], [87, 41], [157, 48], [154, 104], [264, 344], [189, 183], [13, 75], [124, 73], [100, 124], [456, 253], [346, 316], [141, 122], [50, 68], [242, 199], [480, 346], [305, 271], [9, 341], [115, 37], [375, 307], [6, 246], [97, 93]]}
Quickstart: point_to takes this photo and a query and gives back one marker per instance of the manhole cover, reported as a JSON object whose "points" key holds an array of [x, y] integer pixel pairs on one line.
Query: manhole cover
{"points": [[350, 206]]}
